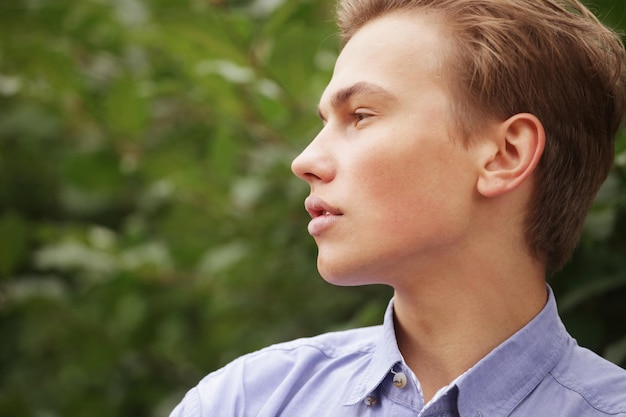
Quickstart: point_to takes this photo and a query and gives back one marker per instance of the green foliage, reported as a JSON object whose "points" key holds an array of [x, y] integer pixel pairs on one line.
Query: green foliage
{"points": [[150, 228]]}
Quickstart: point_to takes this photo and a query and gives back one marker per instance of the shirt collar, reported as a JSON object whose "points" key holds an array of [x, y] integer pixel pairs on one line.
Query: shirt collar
{"points": [[386, 354], [525, 359], [503, 378]]}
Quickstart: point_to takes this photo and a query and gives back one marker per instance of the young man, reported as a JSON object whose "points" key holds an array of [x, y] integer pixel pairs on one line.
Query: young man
{"points": [[463, 144]]}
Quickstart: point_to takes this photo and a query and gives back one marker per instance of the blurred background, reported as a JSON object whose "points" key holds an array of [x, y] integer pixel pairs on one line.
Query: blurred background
{"points": [[150, 227]]}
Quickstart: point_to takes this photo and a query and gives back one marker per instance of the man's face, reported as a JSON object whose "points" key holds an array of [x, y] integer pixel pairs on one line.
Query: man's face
{"points": [[391, 185]]}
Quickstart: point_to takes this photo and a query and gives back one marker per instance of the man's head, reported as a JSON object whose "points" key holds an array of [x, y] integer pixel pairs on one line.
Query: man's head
{"points": [[392, 194], [549, 58]]}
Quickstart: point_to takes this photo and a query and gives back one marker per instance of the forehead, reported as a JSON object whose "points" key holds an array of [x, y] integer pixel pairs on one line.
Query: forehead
{"points": [[399, 52]]}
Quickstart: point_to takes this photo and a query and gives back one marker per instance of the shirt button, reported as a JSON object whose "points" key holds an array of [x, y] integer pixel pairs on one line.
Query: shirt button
{"points": [[399, 380], [369, 400]]}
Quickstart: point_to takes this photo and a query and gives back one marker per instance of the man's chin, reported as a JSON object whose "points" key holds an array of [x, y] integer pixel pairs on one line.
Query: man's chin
{"points": [[344, 277]]}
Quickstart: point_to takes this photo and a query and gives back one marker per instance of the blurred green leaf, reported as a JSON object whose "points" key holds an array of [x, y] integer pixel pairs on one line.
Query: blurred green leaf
{"points": [[125, 109], [13, 244], [593, 289]]}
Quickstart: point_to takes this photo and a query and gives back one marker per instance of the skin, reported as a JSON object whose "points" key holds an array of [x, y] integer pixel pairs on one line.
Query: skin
{"points": [[396, 198]]}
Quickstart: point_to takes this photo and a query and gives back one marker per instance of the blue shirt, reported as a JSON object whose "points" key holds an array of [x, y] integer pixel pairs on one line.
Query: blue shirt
{"points": [[539, 372]]}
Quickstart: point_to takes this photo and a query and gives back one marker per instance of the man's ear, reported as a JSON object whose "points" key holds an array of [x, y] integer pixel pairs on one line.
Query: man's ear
{"points": [[512, 154]]}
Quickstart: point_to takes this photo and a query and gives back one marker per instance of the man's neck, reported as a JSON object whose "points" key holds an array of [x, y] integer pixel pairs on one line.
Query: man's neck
{"points": [[446, 324]]}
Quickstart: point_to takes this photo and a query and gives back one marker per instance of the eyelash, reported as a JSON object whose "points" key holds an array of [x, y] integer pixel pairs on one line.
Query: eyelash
{"points": [[356, 117], [359, 117]]}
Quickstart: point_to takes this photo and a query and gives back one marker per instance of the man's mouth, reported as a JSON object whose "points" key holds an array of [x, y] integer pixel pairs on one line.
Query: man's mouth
{"points": [[318, 207], [323, 215]]}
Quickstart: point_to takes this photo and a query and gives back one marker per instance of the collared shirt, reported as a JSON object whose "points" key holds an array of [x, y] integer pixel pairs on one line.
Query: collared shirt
{"points": [[539, 372]]}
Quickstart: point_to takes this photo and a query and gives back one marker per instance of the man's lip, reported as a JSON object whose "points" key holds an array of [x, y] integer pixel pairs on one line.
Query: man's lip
{"points": [[318, 207]]}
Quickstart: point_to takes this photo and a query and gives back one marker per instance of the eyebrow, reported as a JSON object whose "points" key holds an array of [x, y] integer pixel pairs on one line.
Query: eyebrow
{"points": [[342, 96]]}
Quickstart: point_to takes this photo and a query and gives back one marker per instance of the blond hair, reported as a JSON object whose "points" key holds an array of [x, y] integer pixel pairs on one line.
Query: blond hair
{"points": [[551, 58]]}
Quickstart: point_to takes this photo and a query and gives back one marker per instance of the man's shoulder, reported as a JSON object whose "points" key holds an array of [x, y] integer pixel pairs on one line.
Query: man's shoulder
{"points": [[308, 355], [284, 376], [331, 345], [592, 380]]}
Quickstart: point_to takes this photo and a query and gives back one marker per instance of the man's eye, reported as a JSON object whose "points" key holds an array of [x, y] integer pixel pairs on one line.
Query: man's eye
{"points": [[360, 116]]}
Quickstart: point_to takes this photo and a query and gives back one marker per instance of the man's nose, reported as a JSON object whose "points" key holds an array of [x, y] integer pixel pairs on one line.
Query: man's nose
{"points": [[316, 162]]}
